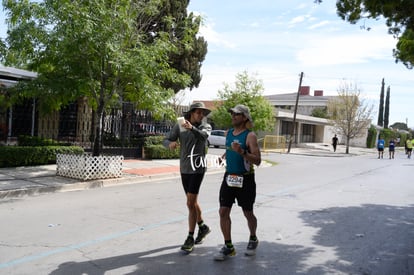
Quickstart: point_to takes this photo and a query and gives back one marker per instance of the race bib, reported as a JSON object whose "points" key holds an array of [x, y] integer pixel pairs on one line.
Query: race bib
{"points": [[234, 181]]}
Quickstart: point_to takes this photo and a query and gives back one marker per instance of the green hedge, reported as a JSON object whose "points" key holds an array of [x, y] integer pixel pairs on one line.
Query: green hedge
{"points": [[403, 139], [160, 152], [12, 156], [38, 141], [154, 149], [371, 138]]}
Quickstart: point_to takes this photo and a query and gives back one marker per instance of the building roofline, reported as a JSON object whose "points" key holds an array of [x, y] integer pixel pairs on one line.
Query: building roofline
{"points": [[302, 118], [14, 74]]}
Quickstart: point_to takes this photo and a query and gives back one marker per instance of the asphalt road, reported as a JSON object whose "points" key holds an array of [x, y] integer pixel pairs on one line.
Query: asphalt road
{"points": [[316, 215]]}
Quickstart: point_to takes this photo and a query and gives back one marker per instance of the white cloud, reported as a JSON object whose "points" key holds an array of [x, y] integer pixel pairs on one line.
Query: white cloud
{"points": [[297, 20], [213, 37], [318, 25]]}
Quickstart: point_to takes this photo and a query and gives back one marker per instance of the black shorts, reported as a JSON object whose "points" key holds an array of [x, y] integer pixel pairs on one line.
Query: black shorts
{"points": [[192, 182], [245, 196]]}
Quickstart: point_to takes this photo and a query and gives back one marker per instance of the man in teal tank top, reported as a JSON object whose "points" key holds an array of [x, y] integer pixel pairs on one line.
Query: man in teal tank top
{"points": [[242, 152]]}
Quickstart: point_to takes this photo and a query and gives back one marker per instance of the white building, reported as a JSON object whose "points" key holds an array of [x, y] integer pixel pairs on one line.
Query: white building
{"points": [[309, 129]]}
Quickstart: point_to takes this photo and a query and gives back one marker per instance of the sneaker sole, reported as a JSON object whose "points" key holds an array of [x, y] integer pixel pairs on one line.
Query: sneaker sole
{"points": [[221, 258], [185, 251]]}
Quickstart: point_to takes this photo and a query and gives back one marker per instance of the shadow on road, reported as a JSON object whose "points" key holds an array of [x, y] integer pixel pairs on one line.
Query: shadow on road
{"points": [[370, 239], [168, 260]]}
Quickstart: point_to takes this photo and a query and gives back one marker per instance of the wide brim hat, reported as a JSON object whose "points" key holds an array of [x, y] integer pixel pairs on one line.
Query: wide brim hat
{"points": [[199, 105], [243, 109]]}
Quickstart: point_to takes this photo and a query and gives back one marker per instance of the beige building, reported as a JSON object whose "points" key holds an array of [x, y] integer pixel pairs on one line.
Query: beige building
{"points": [[308, 129]]}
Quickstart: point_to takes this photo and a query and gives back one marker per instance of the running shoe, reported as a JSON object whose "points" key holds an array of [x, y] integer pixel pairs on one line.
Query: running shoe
{"points": [[224, 253], [188, 244], [251, 247], [202, 233]]}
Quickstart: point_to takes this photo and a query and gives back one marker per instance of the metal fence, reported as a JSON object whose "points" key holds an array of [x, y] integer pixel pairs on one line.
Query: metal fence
{"points": [[123, 131]]}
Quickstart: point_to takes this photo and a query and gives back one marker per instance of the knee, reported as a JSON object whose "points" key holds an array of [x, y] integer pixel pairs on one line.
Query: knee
{"points": [[191, 204], [249, 214], [224, 212]]}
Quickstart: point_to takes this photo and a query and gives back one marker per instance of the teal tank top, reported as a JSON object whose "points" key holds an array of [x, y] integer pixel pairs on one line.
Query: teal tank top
{"points": [[235, 163]]}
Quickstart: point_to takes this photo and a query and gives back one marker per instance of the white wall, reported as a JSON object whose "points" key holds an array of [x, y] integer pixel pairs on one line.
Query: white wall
{"points": [[357, 142]]}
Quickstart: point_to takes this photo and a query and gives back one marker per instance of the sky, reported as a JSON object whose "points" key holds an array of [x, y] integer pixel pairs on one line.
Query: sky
{"points": [[274, 41]]}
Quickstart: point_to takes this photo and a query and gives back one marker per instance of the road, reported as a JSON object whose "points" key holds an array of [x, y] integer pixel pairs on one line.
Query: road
{"points": [[316, 215]]}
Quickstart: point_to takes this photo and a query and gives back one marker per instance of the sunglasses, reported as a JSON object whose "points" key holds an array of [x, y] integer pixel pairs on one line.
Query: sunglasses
{"points": [[235, 114]]}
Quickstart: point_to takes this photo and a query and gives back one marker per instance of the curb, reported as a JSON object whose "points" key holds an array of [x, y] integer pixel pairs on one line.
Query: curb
{"points": [[101, 183]]}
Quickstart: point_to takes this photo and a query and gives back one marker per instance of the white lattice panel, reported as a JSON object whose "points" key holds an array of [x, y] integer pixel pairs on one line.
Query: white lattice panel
{"points": [[88, 167]]}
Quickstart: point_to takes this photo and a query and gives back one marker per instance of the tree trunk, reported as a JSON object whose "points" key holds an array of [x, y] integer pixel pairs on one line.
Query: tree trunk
{"points": [[347, 146], [97, 144]]}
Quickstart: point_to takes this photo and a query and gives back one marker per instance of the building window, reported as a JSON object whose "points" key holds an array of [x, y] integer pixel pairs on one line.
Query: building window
{"points": [[308, 133]]}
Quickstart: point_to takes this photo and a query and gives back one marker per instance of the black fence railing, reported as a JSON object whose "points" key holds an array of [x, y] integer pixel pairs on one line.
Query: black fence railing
{"points": [[123, 132]]}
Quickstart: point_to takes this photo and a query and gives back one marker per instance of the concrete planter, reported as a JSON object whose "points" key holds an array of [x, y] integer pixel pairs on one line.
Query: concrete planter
{"points": [[88, 167]]}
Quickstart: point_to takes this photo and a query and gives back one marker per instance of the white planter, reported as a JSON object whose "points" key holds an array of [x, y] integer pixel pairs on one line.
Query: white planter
{"points": [[88, 167]]}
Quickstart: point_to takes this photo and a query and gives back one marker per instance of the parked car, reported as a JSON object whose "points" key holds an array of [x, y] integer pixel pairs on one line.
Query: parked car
{"points": [[217, 138]]}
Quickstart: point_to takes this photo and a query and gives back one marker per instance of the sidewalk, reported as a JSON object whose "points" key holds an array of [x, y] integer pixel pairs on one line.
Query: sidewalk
{"points": [[32, 180]]}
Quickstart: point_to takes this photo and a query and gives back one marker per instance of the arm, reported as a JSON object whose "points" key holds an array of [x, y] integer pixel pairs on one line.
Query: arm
{"points": [[253, 154], [202, 132], [170, 140]]}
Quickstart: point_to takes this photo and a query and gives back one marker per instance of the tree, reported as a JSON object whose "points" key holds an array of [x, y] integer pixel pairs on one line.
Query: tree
{"points": [[399, 18], [182, 30], [247, 91], [399, 126], [320, 112], [93, 49], [381, 106], [387, 109], [349, 114]]}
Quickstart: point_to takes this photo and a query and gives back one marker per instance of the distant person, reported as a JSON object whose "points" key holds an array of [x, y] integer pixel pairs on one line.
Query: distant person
{"points": [[192, 134], [397, 142], [391, 148], [242, 152], [380, 147], [334, 142], [409, 145], [405, 147]]}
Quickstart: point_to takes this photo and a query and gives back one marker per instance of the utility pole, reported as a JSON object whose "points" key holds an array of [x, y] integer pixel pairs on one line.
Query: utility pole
{"points": [[293, 132]]}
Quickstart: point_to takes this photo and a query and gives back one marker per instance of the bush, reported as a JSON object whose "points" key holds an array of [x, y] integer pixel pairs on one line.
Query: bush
{"points": [[372, 133], [38, 141], [154, 149], [154, 140], [12, 156], [403, 138], [160, 152]]}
